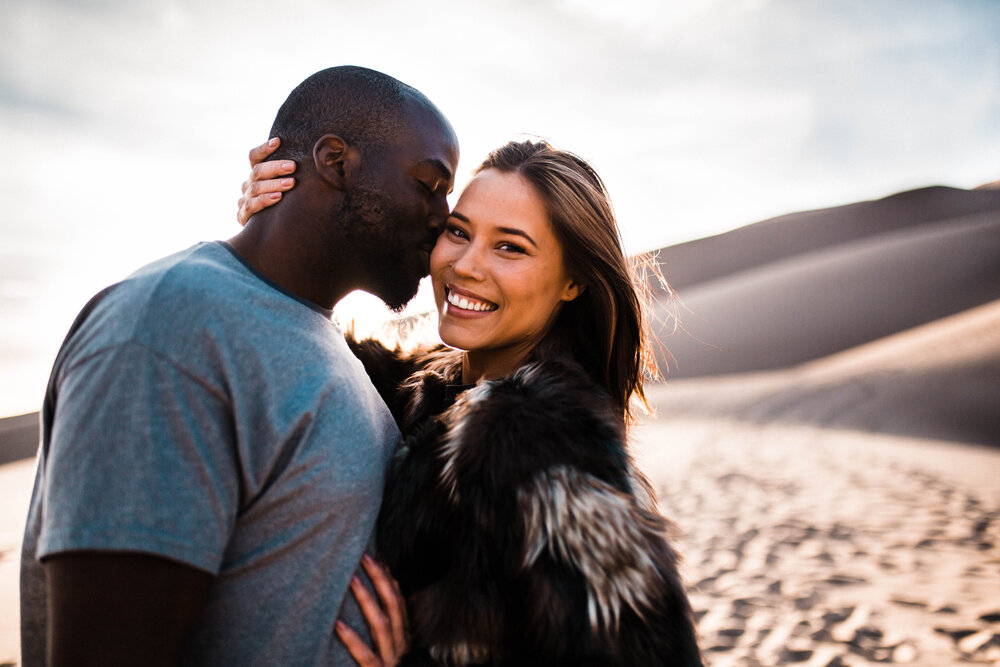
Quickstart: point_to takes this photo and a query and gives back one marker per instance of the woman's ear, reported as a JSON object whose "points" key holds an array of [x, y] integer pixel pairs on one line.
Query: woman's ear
{"points": [[572, 290], [335, 160]]}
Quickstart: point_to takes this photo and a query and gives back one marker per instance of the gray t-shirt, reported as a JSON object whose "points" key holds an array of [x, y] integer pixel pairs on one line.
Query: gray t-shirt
{"points": [[198, 412]]}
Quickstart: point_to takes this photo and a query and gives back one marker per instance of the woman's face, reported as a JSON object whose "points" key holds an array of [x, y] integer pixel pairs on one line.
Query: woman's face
{"points": [[498, 272]]}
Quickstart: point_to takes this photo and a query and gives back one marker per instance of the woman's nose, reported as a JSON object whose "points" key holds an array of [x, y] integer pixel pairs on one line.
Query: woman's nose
{"points": [[468, 264]]}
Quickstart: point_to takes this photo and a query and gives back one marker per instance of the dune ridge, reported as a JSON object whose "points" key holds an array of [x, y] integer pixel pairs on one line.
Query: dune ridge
{"points": [[778, 238], [817, 303]]}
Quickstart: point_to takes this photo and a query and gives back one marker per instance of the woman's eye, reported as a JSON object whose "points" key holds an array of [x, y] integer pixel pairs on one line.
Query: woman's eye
{"points": [[457, 232], [428, 189], [511, 247]]}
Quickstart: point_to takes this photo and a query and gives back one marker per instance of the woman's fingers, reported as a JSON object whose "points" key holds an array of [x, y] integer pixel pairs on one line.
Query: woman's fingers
{"points": [[392, 598], [264, 187], [269, 177], [272, 169], [357, 648], [389, 628], [261, 153], [255, 187], [248, 206], [378, 622]]}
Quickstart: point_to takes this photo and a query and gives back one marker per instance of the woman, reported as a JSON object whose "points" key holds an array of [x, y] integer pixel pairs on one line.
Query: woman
{"points": [[514, 520]]}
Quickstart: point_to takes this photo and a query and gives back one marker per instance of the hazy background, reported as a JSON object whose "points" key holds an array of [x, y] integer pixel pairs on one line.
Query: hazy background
{"points": [[125, 124]]}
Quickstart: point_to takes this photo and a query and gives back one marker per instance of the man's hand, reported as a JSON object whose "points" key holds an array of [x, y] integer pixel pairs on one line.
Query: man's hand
{"points": [[119, 608]]}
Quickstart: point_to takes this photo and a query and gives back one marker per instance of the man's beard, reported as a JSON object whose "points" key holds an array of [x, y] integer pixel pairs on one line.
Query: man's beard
{"points": [[372, 227]]}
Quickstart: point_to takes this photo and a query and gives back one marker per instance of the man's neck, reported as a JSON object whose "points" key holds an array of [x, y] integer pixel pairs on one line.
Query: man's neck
{"points": [[289, 260]]}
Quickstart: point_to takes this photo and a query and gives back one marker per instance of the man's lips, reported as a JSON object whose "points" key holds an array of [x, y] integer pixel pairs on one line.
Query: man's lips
{"points": [[467, 301]]}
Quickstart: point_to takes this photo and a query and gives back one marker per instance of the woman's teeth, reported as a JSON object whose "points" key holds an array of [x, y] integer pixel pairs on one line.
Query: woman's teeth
{"points": [[468, 304]]}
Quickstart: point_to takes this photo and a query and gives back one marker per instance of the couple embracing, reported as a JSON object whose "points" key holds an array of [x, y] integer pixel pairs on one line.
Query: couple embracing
{"points": [[226, 479]]}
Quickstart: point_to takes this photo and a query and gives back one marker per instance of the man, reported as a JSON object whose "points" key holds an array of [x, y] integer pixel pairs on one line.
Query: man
{"points": [[212, 454]]}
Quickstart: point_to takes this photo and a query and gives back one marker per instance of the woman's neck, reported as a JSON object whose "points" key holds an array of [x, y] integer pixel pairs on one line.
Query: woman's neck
{"points": [[491, 364]]}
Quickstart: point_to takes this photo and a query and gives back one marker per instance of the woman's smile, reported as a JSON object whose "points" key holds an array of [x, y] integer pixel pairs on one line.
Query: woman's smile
{"points": [[463, 303]]}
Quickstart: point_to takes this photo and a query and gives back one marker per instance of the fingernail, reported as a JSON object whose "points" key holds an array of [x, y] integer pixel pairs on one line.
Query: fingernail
{"points": [[288, 165], [274, 196], [368, 559], [287, 182], [273, 141], [355, 581], [340, 625]]}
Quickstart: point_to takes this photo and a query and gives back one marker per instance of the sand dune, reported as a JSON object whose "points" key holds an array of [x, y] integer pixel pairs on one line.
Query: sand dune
{"points": [[818, 303], [939, 381], [18, 437], [779, 238]]}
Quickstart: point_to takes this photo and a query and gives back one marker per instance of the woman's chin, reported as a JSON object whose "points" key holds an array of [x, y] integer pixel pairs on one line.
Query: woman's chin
{"points": [[454, 339], [465, 335]]}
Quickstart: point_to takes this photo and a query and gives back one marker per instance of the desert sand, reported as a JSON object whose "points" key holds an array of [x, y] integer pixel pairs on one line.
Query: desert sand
{"points": [[821, 547]]}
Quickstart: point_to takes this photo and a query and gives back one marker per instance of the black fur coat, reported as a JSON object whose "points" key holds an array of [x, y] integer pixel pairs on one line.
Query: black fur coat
{"points": [[517, 526]]}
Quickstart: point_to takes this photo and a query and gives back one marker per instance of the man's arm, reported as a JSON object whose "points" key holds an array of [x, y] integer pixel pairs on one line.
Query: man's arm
{"points": [[120, 608]]}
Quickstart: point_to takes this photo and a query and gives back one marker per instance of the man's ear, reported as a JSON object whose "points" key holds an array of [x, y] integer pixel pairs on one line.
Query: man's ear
{"points": [[335, 160]]}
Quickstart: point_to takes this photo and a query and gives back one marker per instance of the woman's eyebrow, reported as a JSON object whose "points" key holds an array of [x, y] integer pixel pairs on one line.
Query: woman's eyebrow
{"points": [[518, 232], [503, 230]]}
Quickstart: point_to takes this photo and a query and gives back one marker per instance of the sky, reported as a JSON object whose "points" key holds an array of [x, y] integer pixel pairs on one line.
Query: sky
{"points": [[125, 124]]}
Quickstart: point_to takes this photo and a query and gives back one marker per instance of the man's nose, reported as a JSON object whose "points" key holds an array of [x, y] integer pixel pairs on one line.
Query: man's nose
{"points": [[439, 213], [436, 225]]}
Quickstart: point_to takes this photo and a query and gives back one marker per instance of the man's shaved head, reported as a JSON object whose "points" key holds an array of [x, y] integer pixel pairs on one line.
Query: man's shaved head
{"points": [[361, 106]]}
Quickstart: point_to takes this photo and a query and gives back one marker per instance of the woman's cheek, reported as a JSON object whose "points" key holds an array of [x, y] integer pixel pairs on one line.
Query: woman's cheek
{"points": [[437, 254]]}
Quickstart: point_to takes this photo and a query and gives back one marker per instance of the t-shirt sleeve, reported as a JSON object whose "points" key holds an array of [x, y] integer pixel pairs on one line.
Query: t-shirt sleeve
{"points": [[141, 458]]}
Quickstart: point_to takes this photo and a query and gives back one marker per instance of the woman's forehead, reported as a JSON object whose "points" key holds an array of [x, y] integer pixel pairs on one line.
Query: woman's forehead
{"points": [[496, 193]]}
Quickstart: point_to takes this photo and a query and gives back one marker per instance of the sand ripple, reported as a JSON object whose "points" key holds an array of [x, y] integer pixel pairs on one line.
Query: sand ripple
{"points": [[810, 546]]}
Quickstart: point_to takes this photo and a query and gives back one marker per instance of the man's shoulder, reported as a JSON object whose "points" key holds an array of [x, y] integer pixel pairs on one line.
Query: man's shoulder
{"points": [[210, 282], [202, 270], [201, 285], [179, 291], [197, 308]]}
